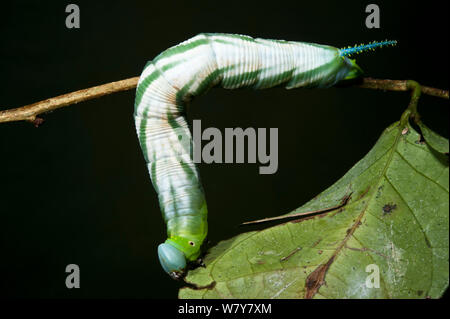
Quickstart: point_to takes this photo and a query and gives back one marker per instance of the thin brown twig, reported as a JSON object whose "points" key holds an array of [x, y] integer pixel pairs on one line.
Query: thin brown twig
{"points": [[31, 111], [343, 202], [399, 85], [271, 219]]}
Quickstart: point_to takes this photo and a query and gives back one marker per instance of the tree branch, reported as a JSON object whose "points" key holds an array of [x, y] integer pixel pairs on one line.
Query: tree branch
{"points": [[30, 112], [399, 85]]}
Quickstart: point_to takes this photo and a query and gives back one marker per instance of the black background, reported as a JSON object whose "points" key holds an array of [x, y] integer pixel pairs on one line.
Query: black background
{"points": [[76, 190]]}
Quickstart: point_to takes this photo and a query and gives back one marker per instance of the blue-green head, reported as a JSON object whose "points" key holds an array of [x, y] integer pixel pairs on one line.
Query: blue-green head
{"points": [[172, 260], [176, 252]]}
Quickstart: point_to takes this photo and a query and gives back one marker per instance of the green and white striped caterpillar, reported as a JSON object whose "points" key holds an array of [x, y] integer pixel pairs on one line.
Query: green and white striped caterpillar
{"points": [[189, 69]]}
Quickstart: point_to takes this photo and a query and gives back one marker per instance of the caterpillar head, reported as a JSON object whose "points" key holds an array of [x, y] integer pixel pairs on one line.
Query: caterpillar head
{"points": [[172, 260], [174, 254], [186, 235]]}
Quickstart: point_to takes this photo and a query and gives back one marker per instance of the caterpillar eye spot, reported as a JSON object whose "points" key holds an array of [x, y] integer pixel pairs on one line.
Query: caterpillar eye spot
{"points": [[191, 243]]}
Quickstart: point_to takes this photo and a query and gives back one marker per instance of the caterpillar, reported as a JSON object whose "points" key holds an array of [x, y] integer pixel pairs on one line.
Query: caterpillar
{"points": [[182, 72]]}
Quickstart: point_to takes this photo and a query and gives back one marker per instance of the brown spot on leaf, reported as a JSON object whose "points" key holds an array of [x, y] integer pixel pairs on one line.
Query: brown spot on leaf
{"points": [[316, 243], [364, 193], [316, 279], [388, 208], [345, 199]]}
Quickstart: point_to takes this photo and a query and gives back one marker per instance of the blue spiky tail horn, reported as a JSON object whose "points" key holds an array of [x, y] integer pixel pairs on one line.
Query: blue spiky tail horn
{"points": [[366, 47]]}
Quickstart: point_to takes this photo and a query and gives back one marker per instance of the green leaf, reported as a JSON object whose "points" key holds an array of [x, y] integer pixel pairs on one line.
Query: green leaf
{"points": [[436, 141], [396, 218]]}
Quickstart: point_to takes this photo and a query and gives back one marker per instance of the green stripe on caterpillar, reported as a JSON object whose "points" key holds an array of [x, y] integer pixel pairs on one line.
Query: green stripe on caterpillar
{"points": [[191, 68]]}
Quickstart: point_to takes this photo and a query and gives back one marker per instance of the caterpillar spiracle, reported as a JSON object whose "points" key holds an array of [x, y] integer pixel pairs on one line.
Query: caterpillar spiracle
{"points": [[189, 69]]}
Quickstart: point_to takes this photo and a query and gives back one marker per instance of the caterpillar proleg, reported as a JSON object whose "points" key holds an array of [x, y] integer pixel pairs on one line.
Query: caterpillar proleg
{"points": [[191, 68]]}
